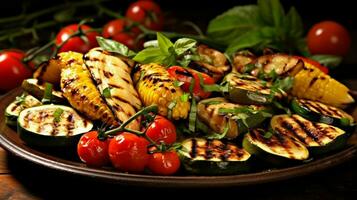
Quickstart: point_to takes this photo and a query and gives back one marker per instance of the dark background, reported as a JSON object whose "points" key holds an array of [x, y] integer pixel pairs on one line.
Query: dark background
{"points": [[200, 12]]}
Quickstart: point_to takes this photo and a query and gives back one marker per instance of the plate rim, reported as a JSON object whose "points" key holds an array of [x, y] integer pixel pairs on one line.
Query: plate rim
{"points": [[56, 163]]}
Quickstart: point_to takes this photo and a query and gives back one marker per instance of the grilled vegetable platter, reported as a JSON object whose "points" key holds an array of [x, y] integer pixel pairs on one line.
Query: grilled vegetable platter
{"points": [[183, 106], [208, 116]]}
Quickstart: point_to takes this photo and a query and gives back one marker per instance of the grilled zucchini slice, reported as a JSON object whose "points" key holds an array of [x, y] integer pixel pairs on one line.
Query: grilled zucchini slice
{"points": [[22, 102], [51, 126], [318, 137], [37, 89], [112, 76], [276, 148], [245, 89], [213, 157], [319, 112], [217, 113]]}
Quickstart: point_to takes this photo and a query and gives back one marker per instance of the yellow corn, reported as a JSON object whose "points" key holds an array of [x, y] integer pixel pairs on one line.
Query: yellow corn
{"points": [[311, 83], [155, 86], [80, 91]]}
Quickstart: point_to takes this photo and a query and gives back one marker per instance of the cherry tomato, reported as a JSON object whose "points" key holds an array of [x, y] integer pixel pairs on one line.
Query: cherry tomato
{"points": [[314, 63], [120, 30], [76, 43], [128, 152], [328, 37], [162, 130], [12, 70], [164, 163], [92, 151], [147, 13], [186, 75]]}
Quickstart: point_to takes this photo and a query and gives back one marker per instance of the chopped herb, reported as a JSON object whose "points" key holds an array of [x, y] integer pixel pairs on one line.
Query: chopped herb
{"points": [[219, 135], [248, 68], [178, 83], [171, 106], [185, 97], [192, 116], [21, 99], [106, 92], [192, 85], [47, 96], [212, 102], [268, 135], [345, 121], [57, 114]]}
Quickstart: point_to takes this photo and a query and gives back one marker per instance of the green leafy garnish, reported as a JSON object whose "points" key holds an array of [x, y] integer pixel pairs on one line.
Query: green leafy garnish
{"points": [[114, 46], [178, 83], [345, 121], [47, 96], [185, 97], [268, 135], [327, 60], [171, 106], [219, 135], [259, 26], [168, 53], [57, 114], [21, 99], [192, 116], [107, 93]]}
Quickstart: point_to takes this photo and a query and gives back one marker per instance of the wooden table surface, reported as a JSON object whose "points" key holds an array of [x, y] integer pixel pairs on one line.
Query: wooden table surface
{"points": [[20, 179]]}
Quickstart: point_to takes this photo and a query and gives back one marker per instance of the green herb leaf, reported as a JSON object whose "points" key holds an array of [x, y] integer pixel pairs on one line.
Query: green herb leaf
{"points": [[212, 102], [164, 43], [107, 93], [293, 24], [184, 44], [114, 46], [21, 99], [327, 60], [178, 83], [192, 116], [57, 114], [271, 12], [47, 96], [171, 106], [149, 55], [233, 23], [345, 121], [268, 135], [185, 97], [219, 136]]}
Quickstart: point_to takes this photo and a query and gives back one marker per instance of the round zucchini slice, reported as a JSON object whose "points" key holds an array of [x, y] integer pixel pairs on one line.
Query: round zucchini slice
{"points": [[22, 102], [213, 157], [51, 126], [319, 112], [245, 89], [317, 137], [275, 148]]}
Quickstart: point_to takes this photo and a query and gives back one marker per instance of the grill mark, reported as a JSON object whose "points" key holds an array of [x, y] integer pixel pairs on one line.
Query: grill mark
{"points": [[70, 61], [95, 59], [184, 73], [108, 74], [324, 110], [74, 91], [313, 81], [70, 125], [122, 100], [316, 138], [115, 86], [288, 127], [193, 152], [126, 80], [208, 150], [67, 82]]}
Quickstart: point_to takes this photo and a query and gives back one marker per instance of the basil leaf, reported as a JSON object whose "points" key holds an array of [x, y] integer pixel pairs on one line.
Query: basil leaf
{"points": [[164, 43], [106, 92], [192, 116], [268, 135], [185, 97], [149, 55], [184, 44], [114, 46], [178, 83], [219, 136], [170, 107], [271, 12], [234, 23], [328, 60], [293, 24], [47, 96], [57, 114]]}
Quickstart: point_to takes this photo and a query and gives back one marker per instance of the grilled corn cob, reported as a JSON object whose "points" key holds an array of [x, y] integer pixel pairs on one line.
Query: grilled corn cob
{"points": [[80, 91], [112, 76], [156, 86], [311, 83]]}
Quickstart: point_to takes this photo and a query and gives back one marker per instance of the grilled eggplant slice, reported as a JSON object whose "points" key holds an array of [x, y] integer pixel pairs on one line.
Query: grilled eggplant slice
{"points": [[112, 76], [37, 88], [213, 157], [245, 89], [79, 89], [212, 62], [318, 137], [277, 148], [319, 112], [51, 126], [22, 102], [218, 113], [156, 86]]}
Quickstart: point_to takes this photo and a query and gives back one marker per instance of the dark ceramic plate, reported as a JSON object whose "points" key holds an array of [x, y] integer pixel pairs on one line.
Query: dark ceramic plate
{"points": [[9, 140]]}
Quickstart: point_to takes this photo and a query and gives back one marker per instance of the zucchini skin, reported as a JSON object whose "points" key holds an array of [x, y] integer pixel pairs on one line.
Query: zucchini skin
{"points": [[33, 87], [319, 117], [210, 165], [268, 157]]}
